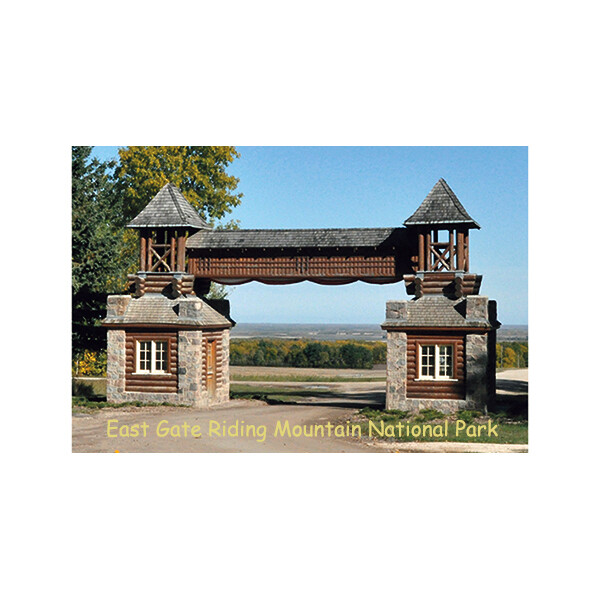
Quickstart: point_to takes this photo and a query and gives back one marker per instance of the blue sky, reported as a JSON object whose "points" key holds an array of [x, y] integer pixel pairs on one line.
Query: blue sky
{"points": [[304, 187]]}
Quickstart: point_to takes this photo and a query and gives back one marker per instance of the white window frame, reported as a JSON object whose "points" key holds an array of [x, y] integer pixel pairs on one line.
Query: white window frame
{"points": [[436, 376], [153, 370]]}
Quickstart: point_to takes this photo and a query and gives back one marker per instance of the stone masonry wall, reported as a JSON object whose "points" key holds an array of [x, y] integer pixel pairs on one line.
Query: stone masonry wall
{"points": [[480, 355], [115, 365], [395, 397], [190, 368], [223, 390], [477, 383]]}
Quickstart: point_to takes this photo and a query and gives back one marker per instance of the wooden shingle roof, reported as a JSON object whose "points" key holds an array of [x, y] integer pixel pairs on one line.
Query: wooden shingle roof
{"points": [[294, 238], [441, 207], [437, 311], [169, 208], [152, 309]]}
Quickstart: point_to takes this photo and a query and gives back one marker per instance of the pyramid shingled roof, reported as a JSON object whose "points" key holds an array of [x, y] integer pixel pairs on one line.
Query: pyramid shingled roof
{"points": [[169, 208], [152, 309], [441, 207]]}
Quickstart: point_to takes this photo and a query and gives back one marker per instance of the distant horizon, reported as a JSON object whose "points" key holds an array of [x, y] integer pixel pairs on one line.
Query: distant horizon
{"points": [[345, 323], [363, 332]]}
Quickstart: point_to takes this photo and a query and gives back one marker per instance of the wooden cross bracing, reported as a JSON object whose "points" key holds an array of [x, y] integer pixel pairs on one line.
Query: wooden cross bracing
{"points": [[435, 255], [161, 259], [440, 252], [163, 250]]}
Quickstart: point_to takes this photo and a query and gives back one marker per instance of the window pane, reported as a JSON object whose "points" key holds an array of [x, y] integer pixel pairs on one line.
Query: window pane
{"points": [[445, 361], [160, 356], [145, 350], [427, 361]]}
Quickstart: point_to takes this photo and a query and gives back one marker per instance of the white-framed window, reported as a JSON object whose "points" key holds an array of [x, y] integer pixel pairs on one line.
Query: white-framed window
{"points": [[436, 361], [151, 357]]}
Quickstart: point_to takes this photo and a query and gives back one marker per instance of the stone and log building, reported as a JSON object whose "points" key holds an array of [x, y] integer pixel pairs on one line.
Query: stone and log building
{"points": [[441, 345], [165, 342], [168, 343]]}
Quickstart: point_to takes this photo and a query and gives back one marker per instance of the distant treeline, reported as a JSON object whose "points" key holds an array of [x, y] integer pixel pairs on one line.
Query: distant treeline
{"points": [[511, 355], [303, 353], [341, 354]]}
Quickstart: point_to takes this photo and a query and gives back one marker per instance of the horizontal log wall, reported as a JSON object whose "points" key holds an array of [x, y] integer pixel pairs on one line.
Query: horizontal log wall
{"points": [[444, 283], [292, 266], [208, 337], [150, 383], [452, 390], [157, 283]]}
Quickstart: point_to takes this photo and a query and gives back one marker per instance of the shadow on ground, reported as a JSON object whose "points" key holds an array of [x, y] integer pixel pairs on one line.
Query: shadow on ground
{"points": [[507, 385], [508, 403], [332, 399]]}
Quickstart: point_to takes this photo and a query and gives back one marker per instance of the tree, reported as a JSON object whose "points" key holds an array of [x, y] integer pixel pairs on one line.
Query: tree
{"points": [[356, 357], [198, 171], [510, 358], [96, 244], [315, 354]]}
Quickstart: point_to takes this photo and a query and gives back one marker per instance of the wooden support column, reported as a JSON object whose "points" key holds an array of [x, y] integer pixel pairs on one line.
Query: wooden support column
{"points": [[143, 250], [149, 252], [460, 248], [451, 242], [172, 257], [428, 251], [181, 252], [467, 250], [421, 251]]}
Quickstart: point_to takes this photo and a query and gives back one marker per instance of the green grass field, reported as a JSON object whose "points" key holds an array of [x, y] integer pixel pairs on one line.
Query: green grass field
{"points": [[462, 426]]}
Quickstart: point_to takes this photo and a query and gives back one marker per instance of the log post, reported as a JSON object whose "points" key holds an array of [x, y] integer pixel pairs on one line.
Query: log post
{"points": [[460, 248], [143, 250], [172, 257], [421, 251], [149, 253], [181, 252]]}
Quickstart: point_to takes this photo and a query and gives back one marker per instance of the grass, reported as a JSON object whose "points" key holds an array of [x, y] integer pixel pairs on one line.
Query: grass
{"points": [[81, 404], [510, 430], [89, 388], [305, 378]]}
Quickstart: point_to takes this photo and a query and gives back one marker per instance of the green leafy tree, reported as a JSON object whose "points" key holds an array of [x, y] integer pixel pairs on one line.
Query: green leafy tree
{"points": [[96, 244], [314, 354], [295, 356], [509, 359], [200, 172], [356, 357]]}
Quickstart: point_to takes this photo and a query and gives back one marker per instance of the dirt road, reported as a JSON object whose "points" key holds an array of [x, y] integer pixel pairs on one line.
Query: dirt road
{"points": [[90, 432]]}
